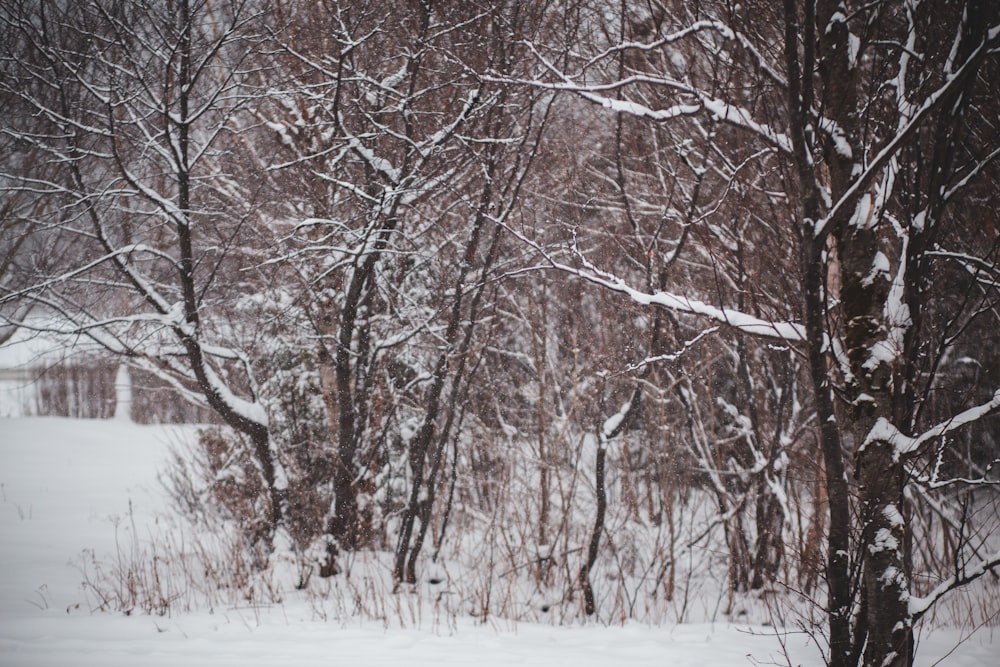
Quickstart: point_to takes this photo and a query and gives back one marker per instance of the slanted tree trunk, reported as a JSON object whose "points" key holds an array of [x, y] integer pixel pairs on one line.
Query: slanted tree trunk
{"points": [[608, 431], [583, 576]]}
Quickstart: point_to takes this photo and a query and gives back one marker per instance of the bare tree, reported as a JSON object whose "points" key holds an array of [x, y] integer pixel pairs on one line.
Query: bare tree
{"points": [[864, 133], [129, 116], [313, 207], [409, 161]]}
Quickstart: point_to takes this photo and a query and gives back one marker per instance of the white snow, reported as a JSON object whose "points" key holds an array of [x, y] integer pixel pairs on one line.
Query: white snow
{"points": [[884, 541], [70, 485], [891, 512], [842, 146], [884, 431], [897, 311], [781, 330], [741, 117], [612, 423], [854, 48], [123, 393], [249, 410], [25, 355], [636, 109], [880, 268]]}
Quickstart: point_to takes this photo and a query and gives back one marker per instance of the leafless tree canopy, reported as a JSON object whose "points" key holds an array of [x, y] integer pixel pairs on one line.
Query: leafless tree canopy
{"points": [[561, 287]]}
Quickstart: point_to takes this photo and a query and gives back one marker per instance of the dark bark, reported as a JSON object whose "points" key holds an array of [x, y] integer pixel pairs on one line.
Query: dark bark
{"points": [[885, 625], [593, 546], [839, 595], [800, 100], [177, 126], [427, 446], [346, 525]]}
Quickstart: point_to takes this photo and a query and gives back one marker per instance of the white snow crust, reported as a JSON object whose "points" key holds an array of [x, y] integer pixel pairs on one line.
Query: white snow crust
{"points": [[69, 485]]}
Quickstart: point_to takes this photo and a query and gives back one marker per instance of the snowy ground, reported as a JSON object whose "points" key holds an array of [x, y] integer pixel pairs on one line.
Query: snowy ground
{"points": [[69, 487]]}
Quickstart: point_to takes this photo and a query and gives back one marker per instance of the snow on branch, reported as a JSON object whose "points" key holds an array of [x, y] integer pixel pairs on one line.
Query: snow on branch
{"points": [[885, 155], [613, 425], [971, 175], [885, 431], [701, 101], [115, 255], [718, 109], [672, 356], [726, 32], [378, 164], [250, 411], [697, 26], [918, 606], [983, 272], [791, 332]]}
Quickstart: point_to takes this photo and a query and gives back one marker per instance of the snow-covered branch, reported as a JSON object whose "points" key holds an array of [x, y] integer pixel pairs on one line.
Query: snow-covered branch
{"points": [[863, 180], [791, 332], [918, 606], [904, 445]]}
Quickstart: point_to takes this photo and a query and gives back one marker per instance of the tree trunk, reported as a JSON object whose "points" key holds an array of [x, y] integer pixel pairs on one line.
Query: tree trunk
{"points": [[583, 577], [886, 625], [837, 491]]}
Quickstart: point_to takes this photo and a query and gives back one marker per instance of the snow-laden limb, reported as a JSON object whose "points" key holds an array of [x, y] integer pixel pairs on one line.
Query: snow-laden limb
{"points": [[791, 332], [896, 311], [971, 175], [672, 356], [251, 411], [982, 271], [613, 424], [113, 255], [378, 164], [725, 31], [741, 117], [425, 148], [918, 606], [719, 109], [885, 155], [885, 431]]}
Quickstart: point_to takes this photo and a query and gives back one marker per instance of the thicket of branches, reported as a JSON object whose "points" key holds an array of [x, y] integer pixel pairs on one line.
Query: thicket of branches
{"points": [[561, 288]]}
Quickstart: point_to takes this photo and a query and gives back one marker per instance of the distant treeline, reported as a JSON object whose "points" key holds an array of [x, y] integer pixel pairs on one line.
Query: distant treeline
{"points": [[87, 391]]}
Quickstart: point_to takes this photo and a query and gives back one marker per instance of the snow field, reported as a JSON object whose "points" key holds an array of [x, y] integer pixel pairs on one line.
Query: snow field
{"points": [[79, 494]]}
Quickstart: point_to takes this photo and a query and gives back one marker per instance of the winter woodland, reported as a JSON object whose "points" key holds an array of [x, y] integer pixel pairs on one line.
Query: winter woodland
{"points": [[593, 309]]}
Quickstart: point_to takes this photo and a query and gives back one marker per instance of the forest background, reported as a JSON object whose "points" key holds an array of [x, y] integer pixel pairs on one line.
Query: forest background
{"points": [[602, 305]]}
